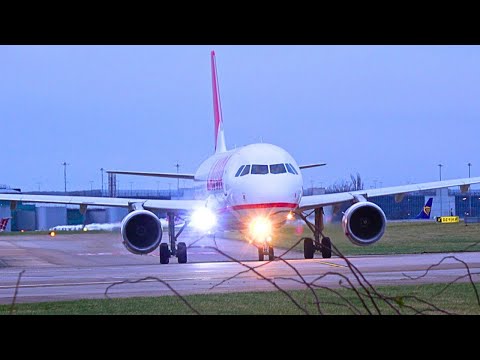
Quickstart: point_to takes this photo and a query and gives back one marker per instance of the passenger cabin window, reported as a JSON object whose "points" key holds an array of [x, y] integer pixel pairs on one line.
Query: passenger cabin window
{"points": [[239, 170], [291, 169], [260, 169], [277, 169], [245, 171]]}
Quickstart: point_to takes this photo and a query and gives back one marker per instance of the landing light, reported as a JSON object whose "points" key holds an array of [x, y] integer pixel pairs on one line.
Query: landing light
{"points": [[203, 219], [289, 216], [52, 233], [85, 229], [261, 228]]}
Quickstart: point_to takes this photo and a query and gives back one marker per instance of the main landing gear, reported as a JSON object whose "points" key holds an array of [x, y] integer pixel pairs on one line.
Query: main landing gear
{"points": [[264, 250], [179, 250], [311, 245]]}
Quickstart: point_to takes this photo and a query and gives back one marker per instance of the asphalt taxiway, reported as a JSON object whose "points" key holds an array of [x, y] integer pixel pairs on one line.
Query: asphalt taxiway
{"points": [[80, 266]]}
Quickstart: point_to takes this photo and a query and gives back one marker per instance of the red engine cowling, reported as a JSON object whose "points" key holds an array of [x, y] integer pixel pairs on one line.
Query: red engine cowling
{"points": [[141, 232], [364, 223]]}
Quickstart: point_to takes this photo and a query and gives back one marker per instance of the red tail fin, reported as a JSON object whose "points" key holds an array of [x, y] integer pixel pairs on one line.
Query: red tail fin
{"points": [[3, 223], [217, 109]]}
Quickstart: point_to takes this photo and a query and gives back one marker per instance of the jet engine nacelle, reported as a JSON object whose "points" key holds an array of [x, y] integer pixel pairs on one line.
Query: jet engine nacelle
{"points": [[141, 232], [364, 223]]}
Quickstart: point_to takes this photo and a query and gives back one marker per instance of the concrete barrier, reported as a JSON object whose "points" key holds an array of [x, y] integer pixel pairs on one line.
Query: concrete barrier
{"points": [[472, 219]]}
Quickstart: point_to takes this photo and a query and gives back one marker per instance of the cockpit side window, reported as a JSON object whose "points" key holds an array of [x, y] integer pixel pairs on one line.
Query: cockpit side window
{"points": [[277, 169], [294, 170], [246, 170], [239, 170], [260, 169], [291, 169]]}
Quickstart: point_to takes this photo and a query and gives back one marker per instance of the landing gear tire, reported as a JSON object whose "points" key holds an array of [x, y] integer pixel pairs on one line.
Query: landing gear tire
{"points": [[260, 254], [308, 248], [326, 249], [164, 253], [271, 255], [182, 253]]}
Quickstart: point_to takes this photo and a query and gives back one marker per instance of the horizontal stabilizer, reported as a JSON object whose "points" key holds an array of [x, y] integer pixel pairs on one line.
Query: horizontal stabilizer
{"points": [[154, 174], [311, 166]]}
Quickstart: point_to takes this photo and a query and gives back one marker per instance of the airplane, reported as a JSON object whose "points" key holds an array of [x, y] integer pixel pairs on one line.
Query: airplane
{"points": [[253, 188], [3, 223], [88, 227], [426, 210], [107, 226]]}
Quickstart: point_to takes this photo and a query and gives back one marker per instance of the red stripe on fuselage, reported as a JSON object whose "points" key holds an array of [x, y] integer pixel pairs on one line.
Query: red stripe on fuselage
{"points": [[262, 206]]}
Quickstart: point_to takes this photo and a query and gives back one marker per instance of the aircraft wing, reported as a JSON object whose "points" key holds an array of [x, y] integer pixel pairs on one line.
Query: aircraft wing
{"points": [[154, 174], [315, 201], [106, 201]]}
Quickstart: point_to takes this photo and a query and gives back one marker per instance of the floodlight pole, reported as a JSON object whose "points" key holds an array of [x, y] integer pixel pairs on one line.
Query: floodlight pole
{"points": [[470, 192], [65, 175], [178, 179], [441, 203], [102, 169]]}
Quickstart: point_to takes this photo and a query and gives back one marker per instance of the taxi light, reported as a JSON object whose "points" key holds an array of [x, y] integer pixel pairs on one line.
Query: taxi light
{"points": [[260, 228], [289, 216], [203, 219], [85, 229], [52, 233]]}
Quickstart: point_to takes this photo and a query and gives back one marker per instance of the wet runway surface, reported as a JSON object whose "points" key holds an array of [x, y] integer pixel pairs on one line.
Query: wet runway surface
{"points": [[79, 266]]}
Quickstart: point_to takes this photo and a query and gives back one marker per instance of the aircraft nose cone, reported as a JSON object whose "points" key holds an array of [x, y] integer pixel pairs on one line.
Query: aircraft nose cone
{"points": [[270, 190]]}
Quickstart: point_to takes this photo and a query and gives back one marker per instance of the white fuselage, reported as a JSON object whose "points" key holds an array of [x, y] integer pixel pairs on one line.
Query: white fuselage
{"points": [[268, 187]]}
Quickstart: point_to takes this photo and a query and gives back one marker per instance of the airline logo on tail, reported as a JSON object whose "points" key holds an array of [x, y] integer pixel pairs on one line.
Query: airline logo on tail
{"points": [[427, 209], [3, 223]]}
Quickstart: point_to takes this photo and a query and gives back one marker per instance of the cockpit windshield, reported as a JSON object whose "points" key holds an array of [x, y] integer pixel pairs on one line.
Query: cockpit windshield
{"points": [[239, 171], [259, 169], [291, 169], [246, 170], [265, 169], [277, 169]]}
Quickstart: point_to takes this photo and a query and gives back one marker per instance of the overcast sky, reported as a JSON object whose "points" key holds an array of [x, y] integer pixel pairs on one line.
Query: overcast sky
{"points": [[391, 113]]}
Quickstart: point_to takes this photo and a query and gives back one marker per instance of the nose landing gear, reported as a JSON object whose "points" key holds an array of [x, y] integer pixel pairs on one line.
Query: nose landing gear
{"points": [[264, 250]]}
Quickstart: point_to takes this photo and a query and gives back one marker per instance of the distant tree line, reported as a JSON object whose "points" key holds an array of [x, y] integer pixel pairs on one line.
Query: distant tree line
{"points": [[355, 183]]}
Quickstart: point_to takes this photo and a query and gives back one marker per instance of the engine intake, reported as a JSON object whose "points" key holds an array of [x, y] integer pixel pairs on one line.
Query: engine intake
{"points": [[364, 223], [141, 232]]}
